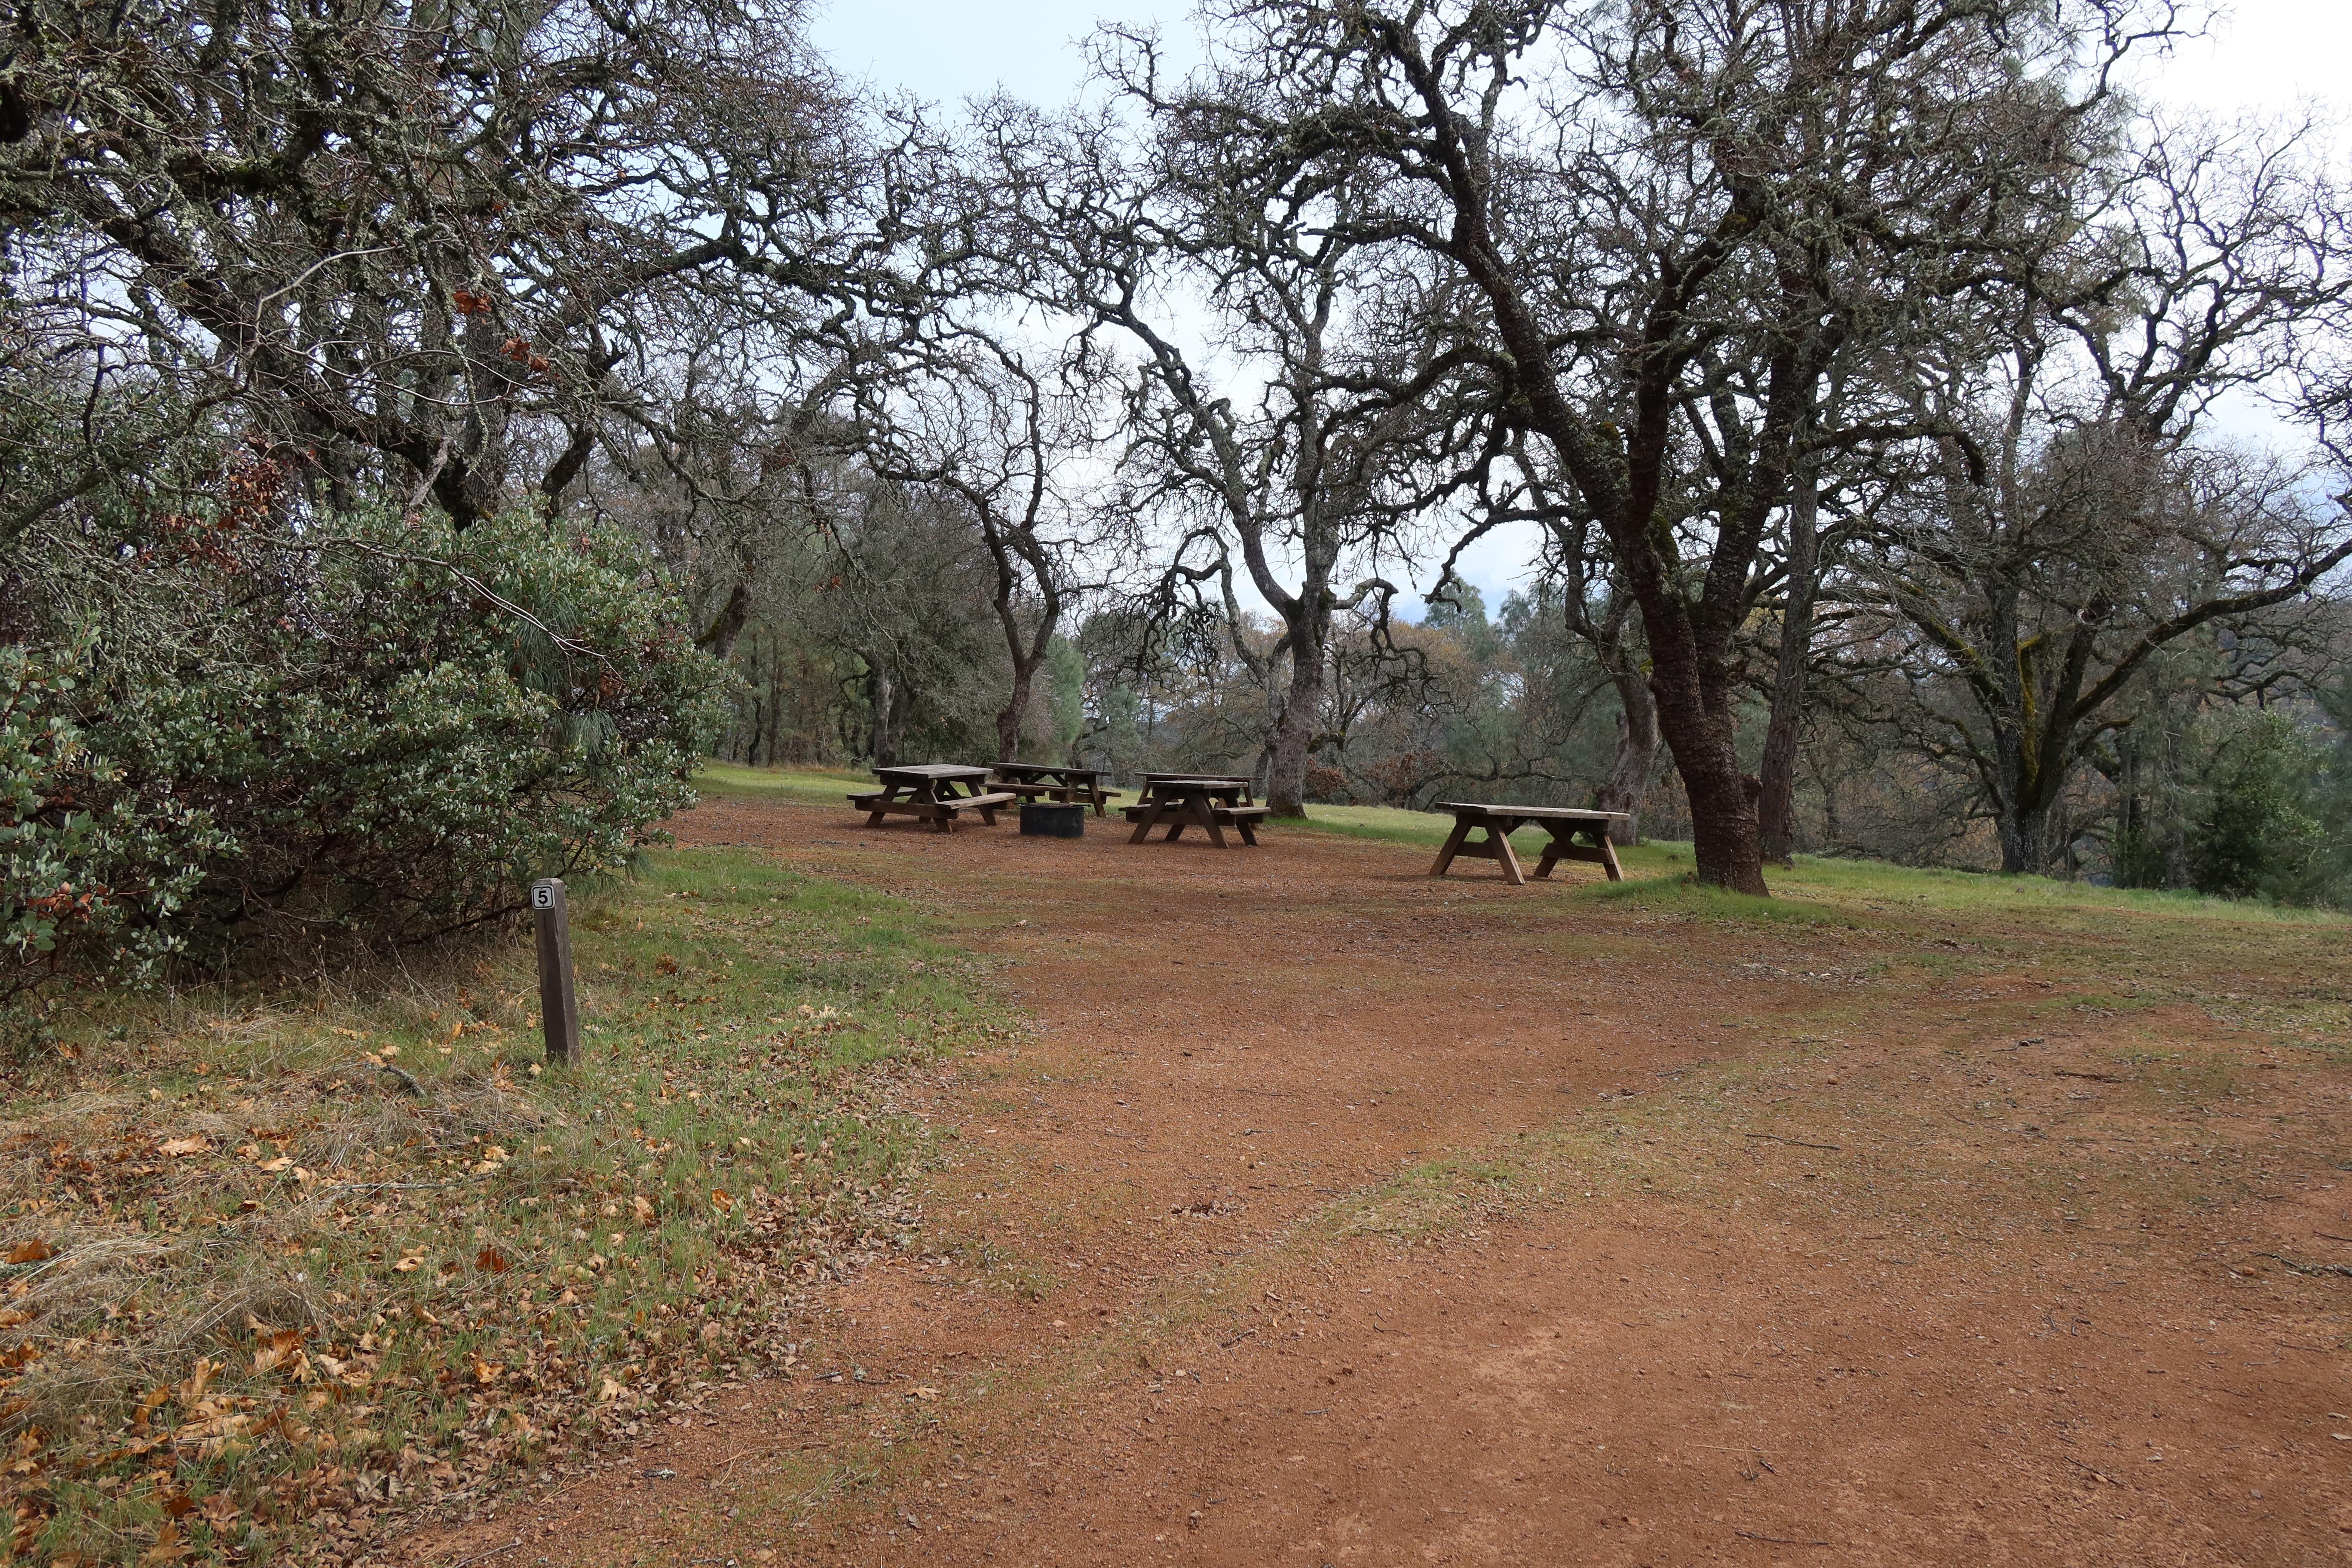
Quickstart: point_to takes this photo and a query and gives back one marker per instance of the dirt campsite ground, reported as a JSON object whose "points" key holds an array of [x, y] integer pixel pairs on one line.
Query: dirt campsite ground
{"points": [[1335, 1215]]}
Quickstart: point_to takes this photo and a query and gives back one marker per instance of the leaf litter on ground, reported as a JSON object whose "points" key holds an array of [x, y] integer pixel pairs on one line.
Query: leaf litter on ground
{"points": [[260, 1302]]}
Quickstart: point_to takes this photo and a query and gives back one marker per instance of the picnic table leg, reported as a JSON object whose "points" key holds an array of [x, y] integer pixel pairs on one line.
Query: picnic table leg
{"points": [[1249, 833], [1150, 820], [1499, 836], [1608, 853], [955, 792], [1452, 845], [1560, 838], [1205, 810]]}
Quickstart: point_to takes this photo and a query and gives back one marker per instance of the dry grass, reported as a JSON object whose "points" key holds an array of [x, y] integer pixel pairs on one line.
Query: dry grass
{"points": [[262, 1298]]}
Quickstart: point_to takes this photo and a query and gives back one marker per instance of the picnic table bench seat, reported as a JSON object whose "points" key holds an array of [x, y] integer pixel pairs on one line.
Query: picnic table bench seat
{"points": [[1223, 813], [1093, 794], [876, 806], [1222, 810]]}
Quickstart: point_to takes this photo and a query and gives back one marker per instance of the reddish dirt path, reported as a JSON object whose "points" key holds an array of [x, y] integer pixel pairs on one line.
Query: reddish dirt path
{"points": [[1735, 1263]]}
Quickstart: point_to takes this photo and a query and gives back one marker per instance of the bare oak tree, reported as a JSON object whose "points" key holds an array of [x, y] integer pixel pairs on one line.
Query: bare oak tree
{"points": [[1668, 211], [2075, 530], [426, 251], [986, 433], [1310, 430]]}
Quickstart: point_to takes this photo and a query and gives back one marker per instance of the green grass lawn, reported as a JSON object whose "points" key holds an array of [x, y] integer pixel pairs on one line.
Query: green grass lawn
{"points": [[809, 786], [1835, 879]]}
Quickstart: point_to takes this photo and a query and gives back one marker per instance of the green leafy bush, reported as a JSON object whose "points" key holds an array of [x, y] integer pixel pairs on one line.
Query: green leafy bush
{"points": [[2259, 833], [71, 877], [223, 727]]}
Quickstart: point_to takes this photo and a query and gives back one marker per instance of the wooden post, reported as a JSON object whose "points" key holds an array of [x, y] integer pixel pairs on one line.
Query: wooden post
{"points": [[559, 1013]]}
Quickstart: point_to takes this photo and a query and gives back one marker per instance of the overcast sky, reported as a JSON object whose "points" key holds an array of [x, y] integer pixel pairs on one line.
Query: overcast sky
{"points": [[2256, 54]]}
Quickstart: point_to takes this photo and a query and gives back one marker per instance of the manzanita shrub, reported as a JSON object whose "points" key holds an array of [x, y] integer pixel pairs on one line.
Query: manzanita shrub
{"points": [[74, 871], [234, 728]]}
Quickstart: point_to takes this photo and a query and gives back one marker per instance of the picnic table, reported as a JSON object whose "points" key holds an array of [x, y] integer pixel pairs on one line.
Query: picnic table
{"points": [[1233, 787], [1214, 802], [933, 792], [1052, 781], [1565, 824]]}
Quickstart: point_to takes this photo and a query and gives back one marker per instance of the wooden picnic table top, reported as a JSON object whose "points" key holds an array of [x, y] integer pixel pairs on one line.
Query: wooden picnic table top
{"points": [[1056, 770], [931, 771], [1535, 812], [1215, 781]]}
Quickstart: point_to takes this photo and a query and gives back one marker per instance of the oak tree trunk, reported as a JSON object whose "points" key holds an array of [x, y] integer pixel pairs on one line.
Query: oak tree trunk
{"points": [[883, 704], [1636, 766], [1776, 806], [2028, 838], [1288, 748], [1696, 720], [1016, 708]]}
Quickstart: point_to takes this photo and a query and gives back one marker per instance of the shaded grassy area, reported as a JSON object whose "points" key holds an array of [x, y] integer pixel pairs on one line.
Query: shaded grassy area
{"points": [[263, 1294], [806, 786]]}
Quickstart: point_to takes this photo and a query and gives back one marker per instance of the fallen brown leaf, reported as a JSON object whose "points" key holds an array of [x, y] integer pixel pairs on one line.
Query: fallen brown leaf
{"points": [[274, 1348]]}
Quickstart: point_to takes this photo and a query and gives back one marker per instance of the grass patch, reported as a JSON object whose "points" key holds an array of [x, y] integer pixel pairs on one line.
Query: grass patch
{"points": [[1396, 826], [1678, 895], [1872, 887], [261, 1297], [809, 786]]}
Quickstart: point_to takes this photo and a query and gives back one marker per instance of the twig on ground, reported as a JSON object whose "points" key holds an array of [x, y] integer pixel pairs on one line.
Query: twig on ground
{"points": [[2094, 1470], [1799, 1142], [493, 1551], [2093, 1076], [1775, 1539], [406, 1080]]}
